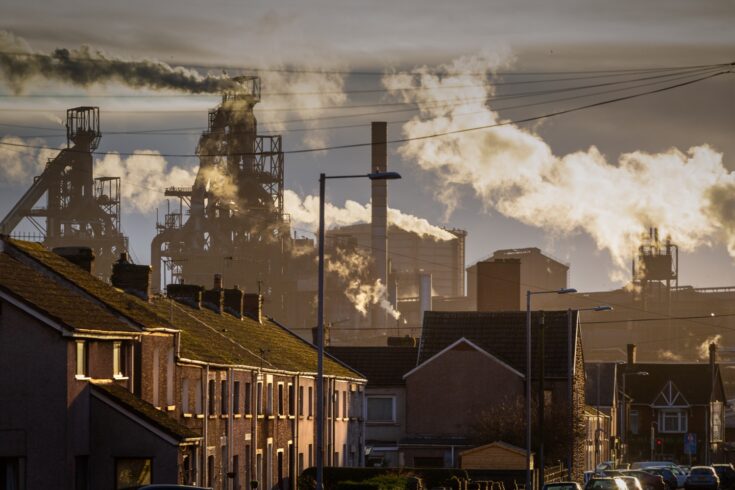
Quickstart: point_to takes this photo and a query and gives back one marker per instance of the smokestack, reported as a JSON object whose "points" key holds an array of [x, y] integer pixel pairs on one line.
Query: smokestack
{"points": [[631, 354], [379, 218], [424, 295]]}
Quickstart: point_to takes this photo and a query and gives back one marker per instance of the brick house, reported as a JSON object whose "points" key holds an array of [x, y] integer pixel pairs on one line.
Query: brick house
{"points": [[671, 403], [601, 395], [469, 361], [107, 387], [385, 398]]}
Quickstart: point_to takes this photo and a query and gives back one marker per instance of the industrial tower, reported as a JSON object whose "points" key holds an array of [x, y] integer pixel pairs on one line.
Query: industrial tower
{"points": [[231, 221], [81, 210]]}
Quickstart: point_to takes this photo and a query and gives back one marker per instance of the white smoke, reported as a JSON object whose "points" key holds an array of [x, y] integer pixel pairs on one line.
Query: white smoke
{"points": [[305, 213], [687, 195], [351, 268], [145, 175], [19, 161], [299, 95], [703, 349], [667, 355]]}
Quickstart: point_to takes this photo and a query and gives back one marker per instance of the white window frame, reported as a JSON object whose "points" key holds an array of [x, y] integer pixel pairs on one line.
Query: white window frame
{"points": [[681, 420], [392, 398], [82, 359]]}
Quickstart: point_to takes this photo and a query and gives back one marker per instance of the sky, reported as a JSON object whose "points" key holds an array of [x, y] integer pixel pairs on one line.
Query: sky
{"points": [[379, 36]]}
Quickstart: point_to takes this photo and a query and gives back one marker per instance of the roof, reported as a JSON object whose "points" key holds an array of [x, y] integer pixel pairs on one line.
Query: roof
{"points": [[501, 334], [693, 380], [599, 384], [58, 303], [80, 300], [382, 366], [499, 444], [144, 409]]}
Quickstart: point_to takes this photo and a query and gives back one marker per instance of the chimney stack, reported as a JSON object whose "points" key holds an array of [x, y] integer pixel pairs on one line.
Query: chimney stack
{"points": [[131, 278], [631, 354], [712, 354], [379, 217], [252, 306], [233, 301], [186, 294], [79, 256], [214, 298], [217, 281]]}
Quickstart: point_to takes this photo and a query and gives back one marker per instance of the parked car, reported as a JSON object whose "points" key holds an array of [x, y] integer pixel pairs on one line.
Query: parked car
{"points": [[647, 464], [648, 481], [563, 485], [168, 486], [679, 471], [605, 483], [726, 474], [702, 478], [632, 482], [672, 482]]}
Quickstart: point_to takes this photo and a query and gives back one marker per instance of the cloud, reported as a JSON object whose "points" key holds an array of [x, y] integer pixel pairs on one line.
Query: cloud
{"points": [[18, 162]]}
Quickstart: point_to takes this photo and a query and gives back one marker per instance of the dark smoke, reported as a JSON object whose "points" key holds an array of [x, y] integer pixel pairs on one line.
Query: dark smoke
{"points": [[86, 66]]}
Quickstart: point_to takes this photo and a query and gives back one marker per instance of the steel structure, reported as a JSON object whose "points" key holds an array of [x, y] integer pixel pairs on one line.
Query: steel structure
{"points": [[81, 210], [231, 220]]}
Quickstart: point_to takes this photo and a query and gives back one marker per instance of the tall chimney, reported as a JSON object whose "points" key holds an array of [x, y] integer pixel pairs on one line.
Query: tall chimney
{"points": [[425, 301], [379, 218], [631, 354]]}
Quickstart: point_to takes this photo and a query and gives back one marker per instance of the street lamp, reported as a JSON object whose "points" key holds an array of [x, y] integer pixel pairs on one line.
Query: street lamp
{"points": [[570, 375], [320, 318], [528, 374], [625, 407]]}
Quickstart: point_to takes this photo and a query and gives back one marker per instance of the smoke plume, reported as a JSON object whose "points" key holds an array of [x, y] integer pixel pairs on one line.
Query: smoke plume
{"points": [[686, 194], [352, 269], [703, 348], [145, 175], [19, 164], [305, 213], [85, 66]]}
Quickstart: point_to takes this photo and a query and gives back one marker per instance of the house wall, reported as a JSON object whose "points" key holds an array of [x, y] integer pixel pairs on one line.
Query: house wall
{"points": [[34, 390], [387, 434], [449, 385]]}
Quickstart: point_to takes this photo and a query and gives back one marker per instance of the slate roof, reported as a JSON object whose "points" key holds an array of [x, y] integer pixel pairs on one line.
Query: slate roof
{"points": [[692, 379], [205, 335], [382, 366], [607, 373], [144, 409], [59, 303], [502, 334]]}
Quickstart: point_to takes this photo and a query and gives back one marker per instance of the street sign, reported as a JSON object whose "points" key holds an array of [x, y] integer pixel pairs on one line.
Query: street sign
{"points": [[690, 443]]}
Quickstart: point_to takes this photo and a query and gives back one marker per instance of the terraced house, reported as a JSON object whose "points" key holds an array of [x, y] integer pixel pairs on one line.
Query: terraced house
{"points": [[105, 386]]}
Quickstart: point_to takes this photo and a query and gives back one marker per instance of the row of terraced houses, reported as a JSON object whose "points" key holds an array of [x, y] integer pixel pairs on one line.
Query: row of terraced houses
{"points": [[110, 387]]}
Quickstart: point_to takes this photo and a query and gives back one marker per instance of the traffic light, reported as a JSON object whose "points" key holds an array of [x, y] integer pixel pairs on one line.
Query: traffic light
{"points": [[659, 443]]}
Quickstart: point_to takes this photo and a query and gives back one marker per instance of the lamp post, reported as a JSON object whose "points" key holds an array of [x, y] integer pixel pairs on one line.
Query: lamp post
{"points": [[624, 418], [529, 293], [570, 375], [320, 318]]}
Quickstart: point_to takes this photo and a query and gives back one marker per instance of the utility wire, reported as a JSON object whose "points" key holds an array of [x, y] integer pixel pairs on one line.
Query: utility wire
{"points": [[415, 138]]}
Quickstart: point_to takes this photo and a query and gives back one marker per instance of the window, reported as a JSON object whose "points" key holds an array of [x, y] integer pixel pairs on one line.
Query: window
{"points": [[259, 467], [336, 404], [212, 395], [301, 464], [381, 409], [248, 476], [198, 398], [116, 365], [269, 399], [235, 470], [291, 402], [132, 472], [223, 398], [311, 406], [185, 395], [170, 379], [210, 470], [634, 421], [236, 398], [672, 420], [301, 401], [311, 455], [344, 406], [248, 402], [281, 408], [81, 358], [156, 367], [259, 397]]}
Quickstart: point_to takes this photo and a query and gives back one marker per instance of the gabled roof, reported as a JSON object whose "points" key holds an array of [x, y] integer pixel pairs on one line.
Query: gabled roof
{"points": [[670, 396], [382, 366], [81, 301], [499, 444], [599, 393], [56, 302], [471, 345], [502, 334], [143, 409], [694, 380]]}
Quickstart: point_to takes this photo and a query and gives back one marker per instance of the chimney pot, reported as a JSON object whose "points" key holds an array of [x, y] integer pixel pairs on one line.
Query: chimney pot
{"points": [[218, 281], [631, 354]]}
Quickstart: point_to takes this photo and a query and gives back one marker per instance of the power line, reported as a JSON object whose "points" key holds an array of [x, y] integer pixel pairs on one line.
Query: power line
{"points": [[417, 138]]}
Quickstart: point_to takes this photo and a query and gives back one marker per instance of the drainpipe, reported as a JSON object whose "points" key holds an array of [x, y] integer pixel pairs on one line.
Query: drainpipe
{"points": [[295, 429], [570, 376], [205, 419], [229, 450]]}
